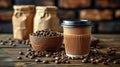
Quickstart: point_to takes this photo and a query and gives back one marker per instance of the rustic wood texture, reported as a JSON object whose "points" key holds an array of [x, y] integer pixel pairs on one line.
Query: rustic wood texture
{"points": [[8, 54]]}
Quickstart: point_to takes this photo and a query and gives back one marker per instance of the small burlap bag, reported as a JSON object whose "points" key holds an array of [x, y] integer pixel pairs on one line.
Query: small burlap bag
{"points": [[46, 18], [22, 21]]}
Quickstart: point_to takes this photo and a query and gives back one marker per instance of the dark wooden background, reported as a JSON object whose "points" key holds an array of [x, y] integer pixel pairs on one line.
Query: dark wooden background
{"points": [[66, 11]]}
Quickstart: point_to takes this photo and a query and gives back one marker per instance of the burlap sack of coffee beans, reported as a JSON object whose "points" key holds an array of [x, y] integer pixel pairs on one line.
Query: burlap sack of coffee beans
{"points": [[46, 18], [22, 21]]}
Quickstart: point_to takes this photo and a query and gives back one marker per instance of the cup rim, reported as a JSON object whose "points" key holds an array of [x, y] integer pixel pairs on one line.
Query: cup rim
{"points": [[76, 23]]}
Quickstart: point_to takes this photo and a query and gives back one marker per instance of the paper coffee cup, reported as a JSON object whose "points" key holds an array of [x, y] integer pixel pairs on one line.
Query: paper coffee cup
{"points": [[77, 37]]}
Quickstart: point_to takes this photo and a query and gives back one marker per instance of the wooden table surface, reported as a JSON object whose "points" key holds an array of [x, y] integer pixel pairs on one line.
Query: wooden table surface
{"points": [[8, 54]]}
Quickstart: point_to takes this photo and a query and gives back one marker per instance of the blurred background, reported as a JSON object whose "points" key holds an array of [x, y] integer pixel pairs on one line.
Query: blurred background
{"points": [[105, 14]]}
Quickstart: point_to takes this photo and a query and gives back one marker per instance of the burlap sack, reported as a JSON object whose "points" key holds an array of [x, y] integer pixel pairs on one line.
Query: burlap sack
{"points": [[22, 21], [46, 18]]}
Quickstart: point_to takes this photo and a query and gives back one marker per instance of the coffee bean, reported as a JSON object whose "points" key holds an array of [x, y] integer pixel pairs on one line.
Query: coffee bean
{"points": [[47, 55], [9, 39], [95, 51], [32, 57], [26, 55], [57, 58], [37, 60], [62, 57], [28, 49], [10, 43], [21, 53], [94, 62], [14, 45], [57, 62], [5, 41], [109, 60], [105, 63], [45, 62], [116, 62], [67, 61], [35, 54], [19, 58], [2, 43], [28, 52], [92, 59], [85, 60], [99, 60]]}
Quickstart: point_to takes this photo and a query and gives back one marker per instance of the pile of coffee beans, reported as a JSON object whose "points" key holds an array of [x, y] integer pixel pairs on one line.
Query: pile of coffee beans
{"points": [[57, 57], [95, 57], [46, 33], [13, 42]]}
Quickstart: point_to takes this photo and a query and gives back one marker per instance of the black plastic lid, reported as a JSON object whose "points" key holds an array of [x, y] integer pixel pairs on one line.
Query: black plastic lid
{"points": [[76, 23]]}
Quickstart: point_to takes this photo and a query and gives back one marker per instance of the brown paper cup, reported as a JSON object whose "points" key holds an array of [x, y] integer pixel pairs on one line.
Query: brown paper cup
{"points": [[46, 43], [77, 45]]}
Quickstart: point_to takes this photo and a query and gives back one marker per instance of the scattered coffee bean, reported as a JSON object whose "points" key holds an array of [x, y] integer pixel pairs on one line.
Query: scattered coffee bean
{"points": [[105, 63], [5, 41], [95, 51], [62, 60], [57, 62], [19, 58], [10, 43], [57, 58], [109, 60], [32, 57], [37, 60], [23, 42], [47, 55], [21, 53], [26, 55], [28, 49], [45, 62], [9, 39], [14, 45], [85, 60], [116, 62], [97, 60], [2, 43], [94, 62], [67, 61], [92, 59]]}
